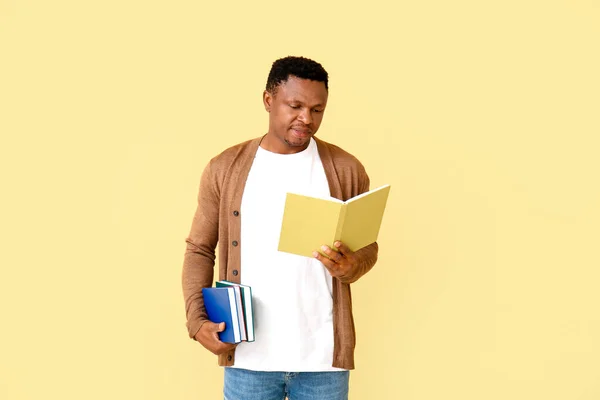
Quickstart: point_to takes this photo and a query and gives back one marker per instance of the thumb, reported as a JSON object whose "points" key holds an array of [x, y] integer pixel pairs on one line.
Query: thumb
{"points": [[221, 327]]}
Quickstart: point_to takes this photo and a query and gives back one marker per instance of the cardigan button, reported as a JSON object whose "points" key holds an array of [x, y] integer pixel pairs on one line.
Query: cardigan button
{"points": [[235, 272], [236, 213], [229, 358], [234, 243]]}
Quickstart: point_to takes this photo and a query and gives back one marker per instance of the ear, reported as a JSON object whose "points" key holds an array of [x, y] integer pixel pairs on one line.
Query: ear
{"points": [[267, 100]]}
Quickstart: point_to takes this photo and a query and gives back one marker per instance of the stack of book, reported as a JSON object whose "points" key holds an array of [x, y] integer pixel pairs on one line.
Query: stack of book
{"points": [[231, 303]]}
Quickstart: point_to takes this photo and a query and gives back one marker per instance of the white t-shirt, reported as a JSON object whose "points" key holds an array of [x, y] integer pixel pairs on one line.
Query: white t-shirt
{"points": [[292, 295]]}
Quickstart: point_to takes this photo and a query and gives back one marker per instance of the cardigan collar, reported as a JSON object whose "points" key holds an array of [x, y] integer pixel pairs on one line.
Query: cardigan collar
{"points": [[335, 187]]}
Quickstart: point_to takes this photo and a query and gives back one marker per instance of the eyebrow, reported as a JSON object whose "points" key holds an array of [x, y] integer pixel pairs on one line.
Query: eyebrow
{"points": [[292, 100]]}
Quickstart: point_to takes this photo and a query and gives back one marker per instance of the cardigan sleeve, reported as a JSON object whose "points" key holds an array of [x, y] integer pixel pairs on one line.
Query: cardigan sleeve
{"points": [[199, 258]]}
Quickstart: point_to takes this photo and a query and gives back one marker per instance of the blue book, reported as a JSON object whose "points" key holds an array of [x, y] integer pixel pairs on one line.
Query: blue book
{"points": [[248, 320], [222, 306]]}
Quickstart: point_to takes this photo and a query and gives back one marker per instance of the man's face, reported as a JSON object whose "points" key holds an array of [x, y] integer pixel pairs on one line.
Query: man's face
{"points": [[295, 114]]}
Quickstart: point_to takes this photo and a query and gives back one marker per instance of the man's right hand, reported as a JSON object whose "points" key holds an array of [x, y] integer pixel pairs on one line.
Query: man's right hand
{"points": [[209, 338]]}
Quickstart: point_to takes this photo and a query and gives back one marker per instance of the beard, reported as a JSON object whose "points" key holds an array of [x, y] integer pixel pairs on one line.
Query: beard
{"points": [[296, 143], [297, 140]]}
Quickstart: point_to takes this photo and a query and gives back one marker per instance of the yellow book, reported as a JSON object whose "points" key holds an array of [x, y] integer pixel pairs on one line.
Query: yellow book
{"points": [[310, 222]]}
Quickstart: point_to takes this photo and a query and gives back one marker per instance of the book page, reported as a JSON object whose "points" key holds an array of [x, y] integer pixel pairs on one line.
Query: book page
{"points": [[308, 223], [328, 198], [363, 218]]}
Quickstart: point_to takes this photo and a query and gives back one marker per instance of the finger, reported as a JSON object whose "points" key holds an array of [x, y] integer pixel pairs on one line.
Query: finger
{"points": [[324, 260], [220, 327], [211, 326], [211, 332], [332, 254], [220, 347], [327, 263], [345, 250]]}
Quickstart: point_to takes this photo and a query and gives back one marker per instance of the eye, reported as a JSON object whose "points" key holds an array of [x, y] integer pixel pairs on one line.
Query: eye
{"points": [[318, 111], [294, 106]]}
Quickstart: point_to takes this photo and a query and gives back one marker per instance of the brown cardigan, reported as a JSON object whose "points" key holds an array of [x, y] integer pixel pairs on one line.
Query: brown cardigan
{"points": [[217, 219]]}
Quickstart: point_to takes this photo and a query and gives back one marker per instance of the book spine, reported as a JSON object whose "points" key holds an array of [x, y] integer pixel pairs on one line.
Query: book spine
{"points": [[237, 337], [249, 315], [340, 225], [240, 312]]}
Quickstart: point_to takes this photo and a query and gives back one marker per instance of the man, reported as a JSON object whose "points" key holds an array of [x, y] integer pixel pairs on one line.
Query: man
{"points": [[304, 328]]}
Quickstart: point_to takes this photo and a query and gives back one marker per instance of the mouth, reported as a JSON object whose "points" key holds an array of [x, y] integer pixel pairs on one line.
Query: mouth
{"points": [[301, 133]]}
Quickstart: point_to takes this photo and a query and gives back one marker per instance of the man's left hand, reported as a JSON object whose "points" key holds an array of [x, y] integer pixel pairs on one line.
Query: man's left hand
{"points": [[339, 263]]}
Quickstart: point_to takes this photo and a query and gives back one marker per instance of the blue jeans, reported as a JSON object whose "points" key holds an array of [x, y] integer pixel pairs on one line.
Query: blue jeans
{"points": [[242, 384]]}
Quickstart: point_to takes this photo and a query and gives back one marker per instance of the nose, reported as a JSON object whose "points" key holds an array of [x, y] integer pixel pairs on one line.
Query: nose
{"points": [[305, 116]]}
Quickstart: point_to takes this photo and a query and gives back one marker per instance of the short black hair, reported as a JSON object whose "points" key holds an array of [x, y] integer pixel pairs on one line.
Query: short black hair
{"points": [[300, 67]]}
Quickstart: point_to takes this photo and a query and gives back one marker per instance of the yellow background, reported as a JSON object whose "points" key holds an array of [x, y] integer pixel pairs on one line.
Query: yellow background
{"points": [[483, 116]]}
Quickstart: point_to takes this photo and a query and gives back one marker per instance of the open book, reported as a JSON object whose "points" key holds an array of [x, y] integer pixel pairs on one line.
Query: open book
{"points": [[310, 222]]}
